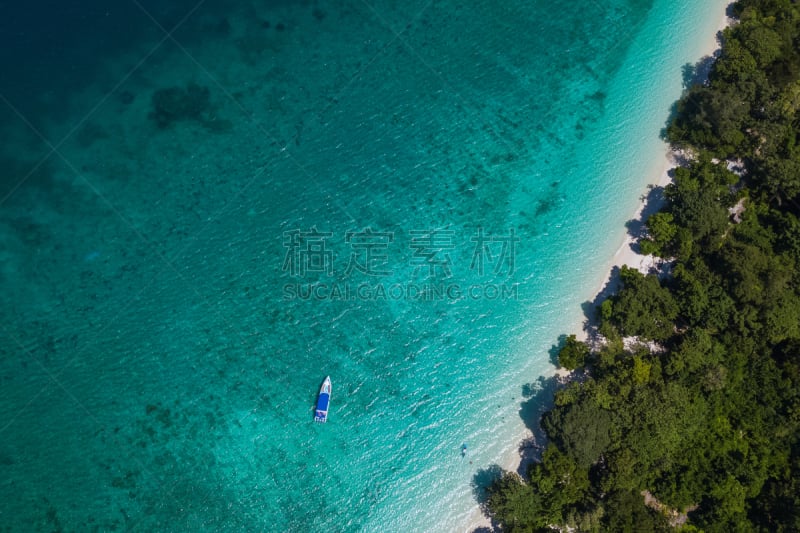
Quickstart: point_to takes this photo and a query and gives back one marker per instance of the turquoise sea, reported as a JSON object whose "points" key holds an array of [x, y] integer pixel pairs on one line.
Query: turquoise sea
{"points": [[206, 208]]}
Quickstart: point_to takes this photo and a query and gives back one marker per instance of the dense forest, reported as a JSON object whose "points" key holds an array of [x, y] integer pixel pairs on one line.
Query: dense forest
{"points": [[688, 415]]}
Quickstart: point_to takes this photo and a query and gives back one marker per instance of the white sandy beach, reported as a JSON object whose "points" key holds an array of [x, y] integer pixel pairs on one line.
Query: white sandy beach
{"points": [[625, 254]]}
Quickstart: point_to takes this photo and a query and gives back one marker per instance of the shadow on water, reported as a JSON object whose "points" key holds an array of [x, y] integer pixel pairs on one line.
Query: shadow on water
{"points": [[539, 398], [481, 482], [591, 308], [553, 351]]}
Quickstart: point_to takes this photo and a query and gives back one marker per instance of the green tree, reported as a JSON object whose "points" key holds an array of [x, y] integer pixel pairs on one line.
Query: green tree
{"points": [[512, 503], [762, 42], [573, 354], [582, 430], [644, 308], [625, 512], [735, 63], [661, 231]]}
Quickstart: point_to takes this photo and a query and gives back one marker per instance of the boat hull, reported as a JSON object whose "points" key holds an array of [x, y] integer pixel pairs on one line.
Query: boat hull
{"points": [[323, 401]]}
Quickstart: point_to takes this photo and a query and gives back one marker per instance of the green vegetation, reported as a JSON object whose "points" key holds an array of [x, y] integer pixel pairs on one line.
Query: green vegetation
{"points": [[705, 419], [573, 354]]}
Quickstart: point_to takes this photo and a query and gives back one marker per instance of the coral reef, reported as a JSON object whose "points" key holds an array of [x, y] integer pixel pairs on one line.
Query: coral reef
{"points": [[175, 104]]}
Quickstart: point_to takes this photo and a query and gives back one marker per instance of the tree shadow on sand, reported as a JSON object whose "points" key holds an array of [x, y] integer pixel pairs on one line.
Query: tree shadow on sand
{"points": [[652, 202], [695, 75], [528, 389], [591, 307]]}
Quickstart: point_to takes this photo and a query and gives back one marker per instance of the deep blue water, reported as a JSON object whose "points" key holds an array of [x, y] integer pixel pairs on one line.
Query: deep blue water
{"points": [[196, 227]]}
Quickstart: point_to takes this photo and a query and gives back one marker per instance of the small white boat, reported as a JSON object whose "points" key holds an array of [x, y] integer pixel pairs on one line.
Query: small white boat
{"points": [[323, 400]]}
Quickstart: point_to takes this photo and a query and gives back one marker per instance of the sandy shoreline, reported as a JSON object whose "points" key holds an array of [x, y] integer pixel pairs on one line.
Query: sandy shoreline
{"points": [[624, 255]]}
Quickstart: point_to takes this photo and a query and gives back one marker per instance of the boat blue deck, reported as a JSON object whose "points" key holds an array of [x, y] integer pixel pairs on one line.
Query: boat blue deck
{"points": [[323, 401]]}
